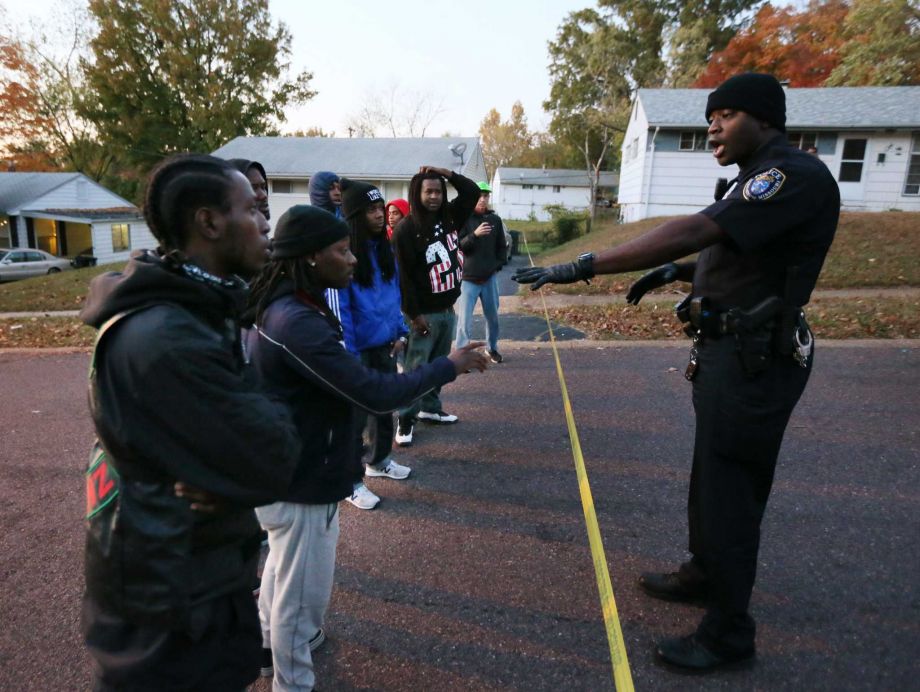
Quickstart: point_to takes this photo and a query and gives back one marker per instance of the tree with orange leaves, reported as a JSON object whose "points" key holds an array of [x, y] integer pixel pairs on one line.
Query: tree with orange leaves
{"points": [[24, 126], [802, 48]]}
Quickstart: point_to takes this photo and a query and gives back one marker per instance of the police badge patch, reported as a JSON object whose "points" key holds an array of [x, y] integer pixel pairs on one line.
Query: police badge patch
{"points": [[764, 185]]}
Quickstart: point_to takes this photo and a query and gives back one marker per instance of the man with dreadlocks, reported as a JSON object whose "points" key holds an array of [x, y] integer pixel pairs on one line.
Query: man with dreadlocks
{"points": [[430, 269], [168, 601], [297, 345]]}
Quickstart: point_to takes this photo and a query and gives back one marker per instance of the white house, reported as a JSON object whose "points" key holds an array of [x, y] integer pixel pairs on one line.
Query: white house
{"points": [[523, 193], [68, 214], [869, 137], [387, 162]]}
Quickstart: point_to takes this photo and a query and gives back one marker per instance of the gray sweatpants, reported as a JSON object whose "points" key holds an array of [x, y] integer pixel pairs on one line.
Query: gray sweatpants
{"points": [[296, 585]]}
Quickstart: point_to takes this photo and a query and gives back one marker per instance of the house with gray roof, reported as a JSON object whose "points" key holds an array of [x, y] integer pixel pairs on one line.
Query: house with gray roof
{"points": [[869, 137], [387, 162], [524, 193], [69, 214]]}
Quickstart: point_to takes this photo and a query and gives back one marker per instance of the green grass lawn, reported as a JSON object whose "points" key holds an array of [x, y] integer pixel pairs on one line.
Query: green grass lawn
{"points": [[63, 291]]}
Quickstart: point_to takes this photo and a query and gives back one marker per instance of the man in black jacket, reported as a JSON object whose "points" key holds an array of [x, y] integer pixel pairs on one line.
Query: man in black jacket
{"points": [[182, 426], [482, 240], [430, 270]]}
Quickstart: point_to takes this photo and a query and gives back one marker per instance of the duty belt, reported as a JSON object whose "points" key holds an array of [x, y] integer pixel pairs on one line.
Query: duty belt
{"points": [[700, 320]]}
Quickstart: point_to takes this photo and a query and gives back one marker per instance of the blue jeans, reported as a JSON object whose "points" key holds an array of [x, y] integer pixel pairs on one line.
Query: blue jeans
{"points": [[487, 293]]}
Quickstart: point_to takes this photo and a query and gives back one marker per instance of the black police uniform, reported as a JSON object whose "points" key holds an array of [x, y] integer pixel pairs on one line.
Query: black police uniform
{"points": [[780, 216]]}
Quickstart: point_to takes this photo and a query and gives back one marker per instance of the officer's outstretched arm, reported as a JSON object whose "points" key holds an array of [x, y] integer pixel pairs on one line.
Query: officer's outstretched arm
{"points": [[672, 240]]}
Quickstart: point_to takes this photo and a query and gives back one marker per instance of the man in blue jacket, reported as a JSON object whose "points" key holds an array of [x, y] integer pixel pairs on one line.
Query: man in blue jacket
{"points": [[380, 332]]}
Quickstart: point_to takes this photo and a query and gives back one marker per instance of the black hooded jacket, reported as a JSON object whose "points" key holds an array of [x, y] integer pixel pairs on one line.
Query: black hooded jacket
{"points": [[171, 401]]}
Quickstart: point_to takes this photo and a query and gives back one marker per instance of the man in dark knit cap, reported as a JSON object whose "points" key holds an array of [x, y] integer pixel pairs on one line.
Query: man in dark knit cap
{"points": [[761, 244]]}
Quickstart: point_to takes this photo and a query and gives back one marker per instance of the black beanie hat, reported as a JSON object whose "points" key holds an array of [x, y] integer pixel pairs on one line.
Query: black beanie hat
{"points": [[303, 229], [757, 94], [358, 196]]}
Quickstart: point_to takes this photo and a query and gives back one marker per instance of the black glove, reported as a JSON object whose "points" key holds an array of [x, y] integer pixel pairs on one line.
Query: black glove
{"points": [[581, 269], [654, 279]]}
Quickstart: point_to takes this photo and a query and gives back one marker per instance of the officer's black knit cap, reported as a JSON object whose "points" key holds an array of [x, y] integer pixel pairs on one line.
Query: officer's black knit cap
{"points": [[303, 229], [757, 94], [358, 196]]}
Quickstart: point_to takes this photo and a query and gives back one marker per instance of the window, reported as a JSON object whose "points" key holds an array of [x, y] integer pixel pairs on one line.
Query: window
{"points": [[912, 184], [5, 234], [803, 140], [121, 237], [527, 187], [34, 257], [282, 187], [557, 188], [851, 163], [18, 257], [692, 140], [541, 187]]}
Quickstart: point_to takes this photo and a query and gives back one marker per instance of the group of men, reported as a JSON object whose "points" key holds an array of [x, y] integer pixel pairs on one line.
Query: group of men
{"points": [[168, 602]]}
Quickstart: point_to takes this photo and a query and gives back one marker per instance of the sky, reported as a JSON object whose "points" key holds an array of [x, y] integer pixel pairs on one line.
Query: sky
{"points": [[487, 55]]}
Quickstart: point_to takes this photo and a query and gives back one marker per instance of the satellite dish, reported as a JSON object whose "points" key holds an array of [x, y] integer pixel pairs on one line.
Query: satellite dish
{"points": [[457, 149]]}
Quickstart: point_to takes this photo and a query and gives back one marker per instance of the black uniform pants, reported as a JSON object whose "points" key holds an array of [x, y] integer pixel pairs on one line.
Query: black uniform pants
{"points": [[740, 422]]}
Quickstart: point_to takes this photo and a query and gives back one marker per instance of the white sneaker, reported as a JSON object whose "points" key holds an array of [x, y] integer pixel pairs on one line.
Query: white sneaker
{"points": [[437, 417], [404, 430], [362, 498], [388, 469]]}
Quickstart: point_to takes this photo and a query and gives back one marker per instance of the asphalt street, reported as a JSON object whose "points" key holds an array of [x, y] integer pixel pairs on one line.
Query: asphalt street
{"points": [[475, 573]]}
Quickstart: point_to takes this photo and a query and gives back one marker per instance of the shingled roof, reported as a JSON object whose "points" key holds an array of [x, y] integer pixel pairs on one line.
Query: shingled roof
{"points": [[837, 108], [18, 188], [364, 157]]}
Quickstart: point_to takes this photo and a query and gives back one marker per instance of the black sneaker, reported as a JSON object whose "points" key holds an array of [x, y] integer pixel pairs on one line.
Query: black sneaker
{"points": [[495, 356], [268, 666], [404, 429]]}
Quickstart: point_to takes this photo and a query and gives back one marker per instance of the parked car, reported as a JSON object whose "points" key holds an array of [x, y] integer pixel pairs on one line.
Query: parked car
{"points": [[603, 202], [21, 263]]}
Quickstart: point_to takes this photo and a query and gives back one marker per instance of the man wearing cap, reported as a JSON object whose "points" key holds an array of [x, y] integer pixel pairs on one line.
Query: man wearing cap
{"points": [[761, 244], [485, 251]]}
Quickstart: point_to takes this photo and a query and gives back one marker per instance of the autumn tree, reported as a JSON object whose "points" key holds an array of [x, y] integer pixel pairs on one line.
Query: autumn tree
{"points": [[799, 47], [41, 86], [881, 45], [23, 126], [504, 143], [187, 75]]}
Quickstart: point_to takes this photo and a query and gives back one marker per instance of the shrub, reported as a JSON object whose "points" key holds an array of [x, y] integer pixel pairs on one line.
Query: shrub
{"points": [[567, 224]]}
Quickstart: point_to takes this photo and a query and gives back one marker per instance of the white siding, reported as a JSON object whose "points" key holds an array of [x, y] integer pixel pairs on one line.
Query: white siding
{"points": [[512, 201], [141, 239], [882, 185], [81, 193]]}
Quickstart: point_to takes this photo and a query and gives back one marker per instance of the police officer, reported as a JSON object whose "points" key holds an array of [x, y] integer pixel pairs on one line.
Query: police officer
{"points": [[762, 244]]}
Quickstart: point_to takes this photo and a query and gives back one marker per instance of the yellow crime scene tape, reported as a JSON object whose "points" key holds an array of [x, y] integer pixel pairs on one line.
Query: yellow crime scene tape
{"points": [[622, 677]]}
